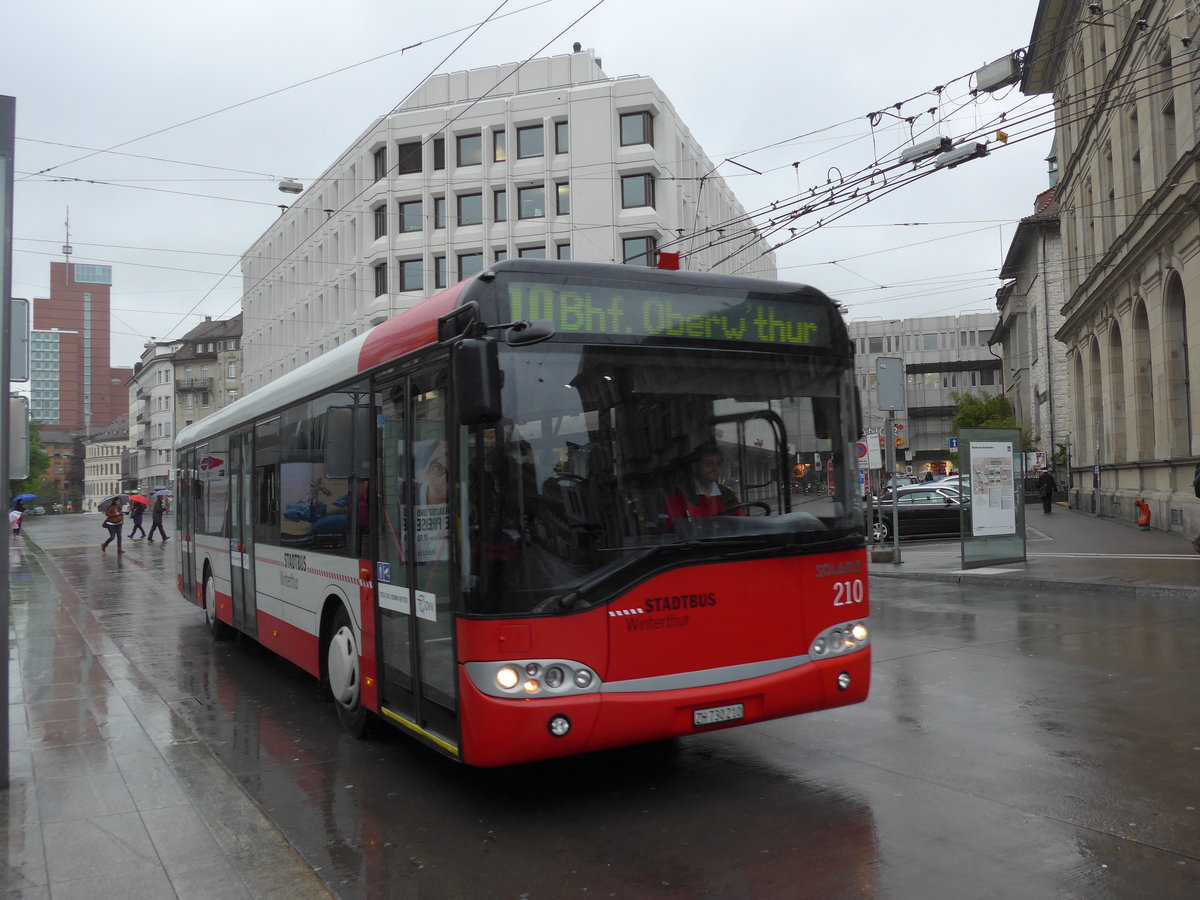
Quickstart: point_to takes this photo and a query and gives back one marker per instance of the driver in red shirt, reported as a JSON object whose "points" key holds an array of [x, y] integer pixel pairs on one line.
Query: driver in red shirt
{"points": [[703, 494]]}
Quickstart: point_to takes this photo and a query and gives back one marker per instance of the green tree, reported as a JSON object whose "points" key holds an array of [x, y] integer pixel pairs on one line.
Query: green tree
{"points": [[990, 411]]}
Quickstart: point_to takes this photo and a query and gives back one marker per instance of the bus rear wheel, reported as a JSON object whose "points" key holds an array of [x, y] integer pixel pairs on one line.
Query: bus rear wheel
{"points": [[219, 630], [344, 678]]}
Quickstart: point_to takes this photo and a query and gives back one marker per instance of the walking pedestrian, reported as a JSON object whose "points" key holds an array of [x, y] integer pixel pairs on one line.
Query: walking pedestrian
{"points": [[156, 515], [1046, 488], [113, 520], [136, 514], [14, 521]]}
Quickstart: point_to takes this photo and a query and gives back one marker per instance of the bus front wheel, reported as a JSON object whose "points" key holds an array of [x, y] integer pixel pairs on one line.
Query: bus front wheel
{"points": [[344, 676]]}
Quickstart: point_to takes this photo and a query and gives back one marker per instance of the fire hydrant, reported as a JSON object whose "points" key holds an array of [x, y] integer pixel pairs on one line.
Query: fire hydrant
{"points": [[1143, 514]]}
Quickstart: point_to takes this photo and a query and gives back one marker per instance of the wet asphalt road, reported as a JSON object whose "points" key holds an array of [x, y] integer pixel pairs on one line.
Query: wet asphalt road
{"points": [[1014, 745]]}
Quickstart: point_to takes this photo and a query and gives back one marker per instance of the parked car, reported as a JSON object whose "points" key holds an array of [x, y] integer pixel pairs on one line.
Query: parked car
{"points": [[38, 511], [897, 480], [923, 510]]}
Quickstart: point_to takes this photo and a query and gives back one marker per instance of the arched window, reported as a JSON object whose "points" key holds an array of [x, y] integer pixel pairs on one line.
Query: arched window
{"points": [[1143, 383], [1082, 452], [1095, 395], [1116, 381], [1177, 383]]}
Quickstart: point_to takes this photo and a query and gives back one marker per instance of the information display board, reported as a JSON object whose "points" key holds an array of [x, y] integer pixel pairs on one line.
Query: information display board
{"points": [[993, 516]]}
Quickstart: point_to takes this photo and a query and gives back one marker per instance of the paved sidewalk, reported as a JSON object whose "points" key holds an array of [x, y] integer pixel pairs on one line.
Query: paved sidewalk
{"points": [[111, 795], [1064, 548]]}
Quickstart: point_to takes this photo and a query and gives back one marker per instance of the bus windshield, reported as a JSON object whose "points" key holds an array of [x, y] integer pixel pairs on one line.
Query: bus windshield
{"points": [[609, 457]]}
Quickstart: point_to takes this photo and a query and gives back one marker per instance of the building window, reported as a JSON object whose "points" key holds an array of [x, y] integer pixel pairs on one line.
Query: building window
{"points": [[439, 212], [470, 209], [381, 279], [439, 271], [204, 401], [563, 251], [500, 255], [532, 252], [408, 158], [500, 205], [531, 142], [929, 342], [410, 216], [469, 264], [987, 376], [439, 154], [470, 149], [231, 345], [531, 202], [637, 128], [499, 146], [380, 221], [638, 251], [562, 202], [637, 190], [412, 275], [231, 370], [874, 345], [562, 137], [380, 156]]}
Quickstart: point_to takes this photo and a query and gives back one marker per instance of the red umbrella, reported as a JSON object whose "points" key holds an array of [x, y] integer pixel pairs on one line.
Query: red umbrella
{"points": [[139, 500]]}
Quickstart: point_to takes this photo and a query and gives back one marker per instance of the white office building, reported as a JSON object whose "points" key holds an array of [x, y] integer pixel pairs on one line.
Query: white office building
{"points": [[550, 159]]}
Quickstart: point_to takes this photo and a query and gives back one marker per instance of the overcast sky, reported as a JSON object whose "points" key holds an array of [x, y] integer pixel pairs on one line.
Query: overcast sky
{"points": [[743, 76]]}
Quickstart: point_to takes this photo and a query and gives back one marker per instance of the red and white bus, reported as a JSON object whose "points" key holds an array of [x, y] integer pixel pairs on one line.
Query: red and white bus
{"points": [[548, 511]]}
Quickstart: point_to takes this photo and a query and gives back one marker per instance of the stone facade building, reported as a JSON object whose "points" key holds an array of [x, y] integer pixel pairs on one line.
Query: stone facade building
{"points": [[1126, 88]]}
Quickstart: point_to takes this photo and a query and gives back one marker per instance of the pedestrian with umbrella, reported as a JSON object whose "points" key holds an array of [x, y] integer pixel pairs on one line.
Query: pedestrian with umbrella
{"points": [[16, 513], [137, 507], [156, 516], [113, 520]]}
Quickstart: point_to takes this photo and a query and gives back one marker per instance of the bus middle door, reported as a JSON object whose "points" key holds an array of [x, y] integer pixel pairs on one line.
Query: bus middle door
{"points": [[413, 579], [241, 535]]}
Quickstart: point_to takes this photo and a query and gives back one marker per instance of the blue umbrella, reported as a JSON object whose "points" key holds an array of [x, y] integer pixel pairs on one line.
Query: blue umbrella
{"points": [[23, 497]]}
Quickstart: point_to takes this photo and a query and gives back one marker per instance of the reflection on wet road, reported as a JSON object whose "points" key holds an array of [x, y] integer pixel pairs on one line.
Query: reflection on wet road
{"points": [[1015, 744]]}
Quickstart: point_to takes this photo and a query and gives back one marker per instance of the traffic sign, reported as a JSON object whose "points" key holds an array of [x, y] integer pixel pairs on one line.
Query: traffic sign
{"points": [[953, 443]]}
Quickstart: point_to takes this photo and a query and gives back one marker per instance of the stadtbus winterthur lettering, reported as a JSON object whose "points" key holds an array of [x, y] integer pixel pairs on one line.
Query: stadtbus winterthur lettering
{"points": [[636, 313]]}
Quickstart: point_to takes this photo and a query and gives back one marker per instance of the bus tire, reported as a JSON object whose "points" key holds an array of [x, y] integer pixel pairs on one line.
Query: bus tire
{"points": [[343, 676], [219, 630]]}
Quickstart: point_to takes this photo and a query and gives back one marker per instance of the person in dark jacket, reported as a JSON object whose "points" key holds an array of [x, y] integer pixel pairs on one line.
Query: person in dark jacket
{"points": [[135, 513], [1046, 488], [156, 515]]}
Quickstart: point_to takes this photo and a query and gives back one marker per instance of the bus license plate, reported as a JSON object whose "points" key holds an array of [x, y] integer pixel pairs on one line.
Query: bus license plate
{"points": [[717, 714]]}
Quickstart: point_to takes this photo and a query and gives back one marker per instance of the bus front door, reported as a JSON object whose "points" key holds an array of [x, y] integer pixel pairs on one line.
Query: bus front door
{"points": [[241, 535], [416, 610]]}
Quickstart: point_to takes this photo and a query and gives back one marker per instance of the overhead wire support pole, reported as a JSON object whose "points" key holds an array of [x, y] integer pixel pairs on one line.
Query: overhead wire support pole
{"points": [[8, 110]]}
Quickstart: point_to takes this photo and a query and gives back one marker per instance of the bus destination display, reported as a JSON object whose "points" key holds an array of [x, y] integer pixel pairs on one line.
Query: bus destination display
{"points": [[637, 312]]}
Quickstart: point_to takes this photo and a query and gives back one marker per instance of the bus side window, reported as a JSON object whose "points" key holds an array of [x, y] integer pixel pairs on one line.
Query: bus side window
{"points": [[266, 504]]}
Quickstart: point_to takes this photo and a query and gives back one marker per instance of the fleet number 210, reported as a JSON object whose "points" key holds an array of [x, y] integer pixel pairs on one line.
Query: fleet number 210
{"points": [[846, 593]]}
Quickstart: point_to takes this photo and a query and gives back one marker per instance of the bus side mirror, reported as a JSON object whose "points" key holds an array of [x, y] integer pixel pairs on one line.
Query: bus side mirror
{"points": [[475, 370]]}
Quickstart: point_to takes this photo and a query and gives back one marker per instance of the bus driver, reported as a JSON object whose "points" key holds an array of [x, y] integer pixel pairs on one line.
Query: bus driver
{"points": [[703, 494]]}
